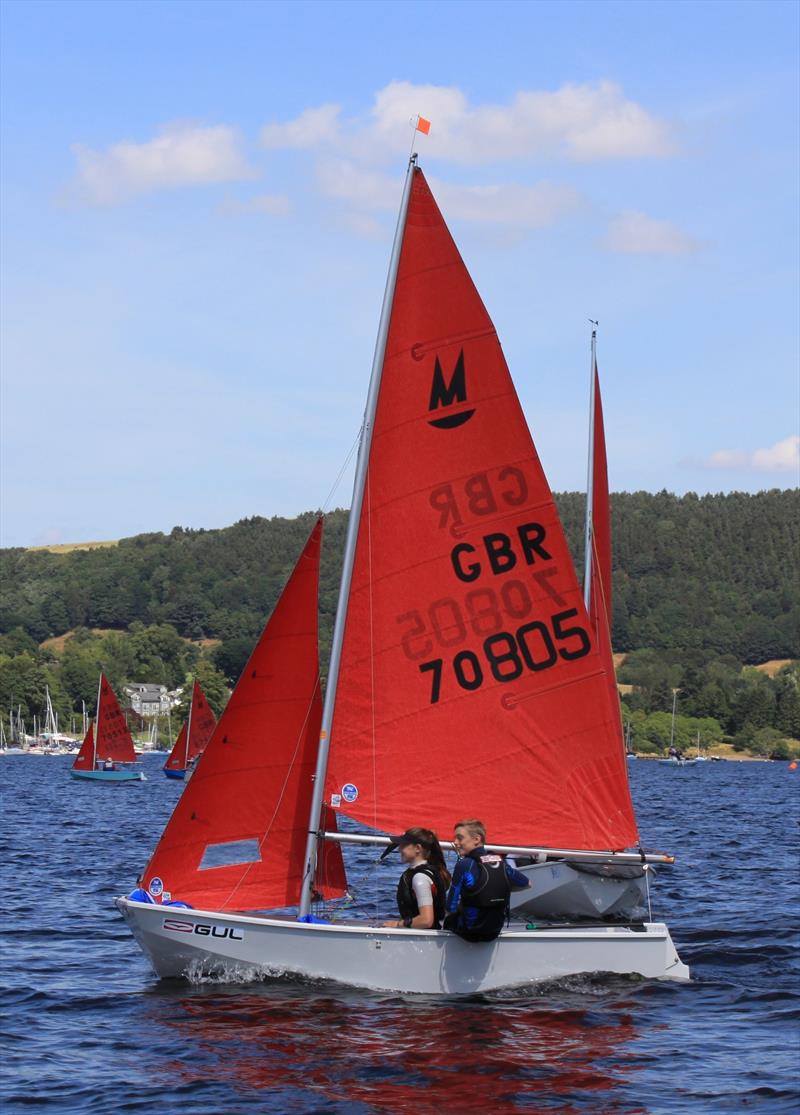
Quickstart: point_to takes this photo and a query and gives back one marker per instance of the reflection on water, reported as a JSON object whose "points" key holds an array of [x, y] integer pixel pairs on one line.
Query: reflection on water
{"points": [[404, 1056]]}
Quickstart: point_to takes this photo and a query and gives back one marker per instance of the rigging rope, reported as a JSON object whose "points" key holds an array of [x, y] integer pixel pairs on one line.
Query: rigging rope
{"points": [[341, 472]]}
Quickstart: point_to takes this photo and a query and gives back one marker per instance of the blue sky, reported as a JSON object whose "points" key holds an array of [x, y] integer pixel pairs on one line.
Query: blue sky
{"points": [[197, 207]]}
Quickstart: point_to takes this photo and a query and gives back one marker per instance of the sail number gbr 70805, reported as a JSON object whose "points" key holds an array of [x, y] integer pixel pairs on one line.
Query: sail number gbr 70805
{"points": [[505, 656]]}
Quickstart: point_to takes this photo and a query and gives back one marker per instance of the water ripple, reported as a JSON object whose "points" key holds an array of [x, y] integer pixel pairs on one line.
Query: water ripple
{"points": [[88, 1029]]}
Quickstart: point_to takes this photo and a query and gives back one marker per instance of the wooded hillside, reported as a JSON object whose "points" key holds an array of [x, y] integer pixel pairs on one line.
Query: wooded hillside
{"points": [[713, 572]]}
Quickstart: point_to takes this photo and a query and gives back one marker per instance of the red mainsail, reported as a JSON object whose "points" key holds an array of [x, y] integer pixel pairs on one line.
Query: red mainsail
{"points": [[600, 601], [194, 734], [236, 839], [471, 681]]}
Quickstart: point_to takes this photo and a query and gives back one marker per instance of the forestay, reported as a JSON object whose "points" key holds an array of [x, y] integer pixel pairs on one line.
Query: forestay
{"points": [[236, 838], [471, 679]]}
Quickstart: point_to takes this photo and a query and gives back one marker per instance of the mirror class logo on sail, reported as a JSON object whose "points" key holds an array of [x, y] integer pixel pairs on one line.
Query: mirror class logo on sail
{"points": [[451, 396], [506, 617]]}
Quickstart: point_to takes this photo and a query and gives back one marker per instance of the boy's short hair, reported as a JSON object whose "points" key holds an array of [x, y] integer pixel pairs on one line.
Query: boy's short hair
{"points": [[473, 827]]}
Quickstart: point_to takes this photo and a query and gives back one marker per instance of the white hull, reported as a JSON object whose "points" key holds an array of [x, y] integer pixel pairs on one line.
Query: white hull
{"points": [[560, 891], [194, 943]]}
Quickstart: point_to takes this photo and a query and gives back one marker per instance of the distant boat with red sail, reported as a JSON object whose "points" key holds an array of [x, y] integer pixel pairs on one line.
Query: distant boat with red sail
{"points": [[468, 677], [193, 736], [107, 753]]}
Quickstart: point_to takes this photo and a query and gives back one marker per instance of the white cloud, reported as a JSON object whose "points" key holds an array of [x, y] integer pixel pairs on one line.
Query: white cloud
{"points": [[580, 122], [181, 155], [521, 206], [633, 233], [273, 205], [313, 128], [783, 456], [341, 178]]}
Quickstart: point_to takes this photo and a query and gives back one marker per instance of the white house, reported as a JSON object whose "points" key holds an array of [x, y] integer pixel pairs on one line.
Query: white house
{"points": [[148, 700]]}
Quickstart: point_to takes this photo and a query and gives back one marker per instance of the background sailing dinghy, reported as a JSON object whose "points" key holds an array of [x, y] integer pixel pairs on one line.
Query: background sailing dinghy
{"points": [[466, 679], [109, 743], [192, 738]]}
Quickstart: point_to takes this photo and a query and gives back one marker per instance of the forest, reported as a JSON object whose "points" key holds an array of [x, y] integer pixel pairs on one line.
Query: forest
{"points": [[704, 587]]}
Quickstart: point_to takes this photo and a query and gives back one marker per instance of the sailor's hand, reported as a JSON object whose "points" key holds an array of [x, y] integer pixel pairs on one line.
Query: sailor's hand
{"points": [[392, 925]]}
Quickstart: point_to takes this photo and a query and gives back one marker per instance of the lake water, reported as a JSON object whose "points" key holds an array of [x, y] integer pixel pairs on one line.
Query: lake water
{"points": [[87, 1028]]}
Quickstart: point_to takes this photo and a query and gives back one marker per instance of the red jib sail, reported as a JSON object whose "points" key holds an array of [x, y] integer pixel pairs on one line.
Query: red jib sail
{"points": [[195, 732], [471, 681], [236, 839], [84, 760]]}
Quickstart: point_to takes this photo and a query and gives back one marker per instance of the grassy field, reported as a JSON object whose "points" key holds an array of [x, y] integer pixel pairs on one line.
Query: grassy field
{"points": [[56, 644], [774, 666], [68, 547]]}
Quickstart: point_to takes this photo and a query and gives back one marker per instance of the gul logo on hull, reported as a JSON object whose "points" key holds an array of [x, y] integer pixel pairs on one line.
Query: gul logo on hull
{"points": [[202, 929], [448, 395]]}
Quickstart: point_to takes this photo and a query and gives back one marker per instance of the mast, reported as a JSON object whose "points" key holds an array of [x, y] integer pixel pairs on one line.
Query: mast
{"points": [[672, 728], [97, 722], [587, 564], [350, 547]]}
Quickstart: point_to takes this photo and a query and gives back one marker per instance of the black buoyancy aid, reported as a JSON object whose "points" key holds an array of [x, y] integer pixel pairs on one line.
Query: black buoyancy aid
{"points": [[407, 900], [492, 891]]}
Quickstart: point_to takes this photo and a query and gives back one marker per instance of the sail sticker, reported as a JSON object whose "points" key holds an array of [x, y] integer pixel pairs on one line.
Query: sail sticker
{"points": [[155, 886], [349, 792], [336, 801], [445, 394]]}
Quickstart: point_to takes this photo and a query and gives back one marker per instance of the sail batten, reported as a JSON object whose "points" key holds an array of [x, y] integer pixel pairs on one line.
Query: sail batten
{"points": [[471, 678]]}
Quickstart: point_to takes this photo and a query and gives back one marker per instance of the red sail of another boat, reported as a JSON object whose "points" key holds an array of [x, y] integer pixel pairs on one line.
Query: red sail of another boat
{"points": [[112, 738], [237, 836], [471, 682], [601, 602], [600, 592], [195, 732]]}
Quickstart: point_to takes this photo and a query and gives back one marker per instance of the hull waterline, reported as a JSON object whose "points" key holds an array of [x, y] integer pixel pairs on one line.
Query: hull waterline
{"points": [[194, 943], [176, 774]]}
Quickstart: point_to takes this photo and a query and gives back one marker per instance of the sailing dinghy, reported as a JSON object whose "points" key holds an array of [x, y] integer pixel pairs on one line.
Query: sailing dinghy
{"points": [[107, 751], [465, 679], [192, 738]]}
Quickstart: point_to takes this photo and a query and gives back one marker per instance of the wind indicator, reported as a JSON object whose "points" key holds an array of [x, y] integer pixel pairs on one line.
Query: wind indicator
{"points": [[418, 124]]}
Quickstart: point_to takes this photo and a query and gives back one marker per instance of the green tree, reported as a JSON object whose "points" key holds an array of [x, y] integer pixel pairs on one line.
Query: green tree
{"points": [[213, 685]]}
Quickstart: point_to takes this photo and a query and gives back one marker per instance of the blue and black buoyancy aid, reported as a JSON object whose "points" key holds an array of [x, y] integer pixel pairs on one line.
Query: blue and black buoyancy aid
{"points": [[491, 890], [485, 901], [406, 899]]}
